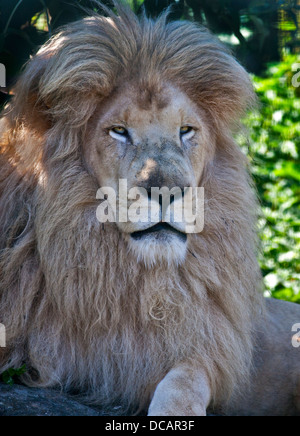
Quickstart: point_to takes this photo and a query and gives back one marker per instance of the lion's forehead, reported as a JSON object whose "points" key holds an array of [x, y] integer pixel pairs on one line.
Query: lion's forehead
{"points": [[160, 116]]}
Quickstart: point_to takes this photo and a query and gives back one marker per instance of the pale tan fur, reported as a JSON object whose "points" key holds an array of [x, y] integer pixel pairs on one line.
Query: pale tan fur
{"points": [[81, 309]]}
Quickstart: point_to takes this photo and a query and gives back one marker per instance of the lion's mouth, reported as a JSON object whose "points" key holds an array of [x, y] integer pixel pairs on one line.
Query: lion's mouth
{"points": [[158, 231]]}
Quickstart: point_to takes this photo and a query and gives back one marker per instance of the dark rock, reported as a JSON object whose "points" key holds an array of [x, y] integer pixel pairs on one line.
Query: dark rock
{"points": [[22, 401]]}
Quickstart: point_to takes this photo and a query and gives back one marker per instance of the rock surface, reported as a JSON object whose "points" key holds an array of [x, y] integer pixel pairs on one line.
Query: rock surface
{"points": [[19, 400], [22, 401]]}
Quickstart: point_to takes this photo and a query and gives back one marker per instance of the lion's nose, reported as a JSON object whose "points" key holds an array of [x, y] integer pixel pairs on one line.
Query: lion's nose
{"points": [[154, 175], [151, 175], [156, 179], [159, 179]]}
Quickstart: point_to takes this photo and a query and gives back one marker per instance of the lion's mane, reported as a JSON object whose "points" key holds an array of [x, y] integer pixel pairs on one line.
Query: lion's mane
{"points": [[78, 308]]}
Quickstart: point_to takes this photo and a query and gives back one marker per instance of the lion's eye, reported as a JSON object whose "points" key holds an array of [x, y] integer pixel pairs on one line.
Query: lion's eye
{"points": [[119, 133], [119, 130], [187, 132]]}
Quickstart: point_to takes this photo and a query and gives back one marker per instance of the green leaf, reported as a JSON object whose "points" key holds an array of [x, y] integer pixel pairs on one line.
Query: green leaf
{"points": [[8, 377], [288, 169]]}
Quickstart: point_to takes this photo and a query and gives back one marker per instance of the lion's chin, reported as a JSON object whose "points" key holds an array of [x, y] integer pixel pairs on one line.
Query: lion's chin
{"points": [[161, 244]]}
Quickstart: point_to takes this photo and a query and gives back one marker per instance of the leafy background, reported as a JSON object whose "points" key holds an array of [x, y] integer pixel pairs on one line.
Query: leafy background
{"points": [[264, 35]]}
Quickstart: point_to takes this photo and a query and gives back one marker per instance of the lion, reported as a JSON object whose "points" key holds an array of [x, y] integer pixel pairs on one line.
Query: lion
{"points": [[139, 315]]}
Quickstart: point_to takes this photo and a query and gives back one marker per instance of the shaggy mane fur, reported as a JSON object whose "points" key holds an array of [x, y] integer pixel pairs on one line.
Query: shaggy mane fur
{"points": [[78, 308]]}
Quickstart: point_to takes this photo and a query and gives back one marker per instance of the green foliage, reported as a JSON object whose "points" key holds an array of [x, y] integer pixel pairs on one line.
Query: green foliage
{"points": [[8, 377], [275, 151]]}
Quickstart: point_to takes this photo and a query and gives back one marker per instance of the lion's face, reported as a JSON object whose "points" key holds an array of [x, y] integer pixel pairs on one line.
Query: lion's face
{"points": [[151, 140]]}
